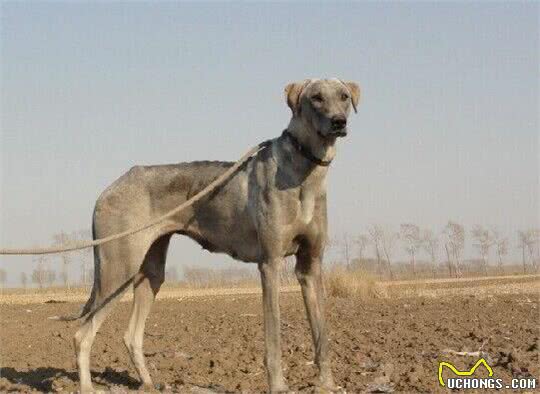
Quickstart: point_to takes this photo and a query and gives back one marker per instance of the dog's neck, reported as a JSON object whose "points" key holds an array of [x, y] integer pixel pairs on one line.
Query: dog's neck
{"points": [[321, 148]]}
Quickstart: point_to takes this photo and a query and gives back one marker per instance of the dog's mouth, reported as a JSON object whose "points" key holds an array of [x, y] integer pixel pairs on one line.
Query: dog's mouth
{"points": [[339, 132], [334, 133]]}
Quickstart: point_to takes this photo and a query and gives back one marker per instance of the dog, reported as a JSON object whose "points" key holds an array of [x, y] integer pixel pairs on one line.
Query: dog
{"points": [[272, 207]]}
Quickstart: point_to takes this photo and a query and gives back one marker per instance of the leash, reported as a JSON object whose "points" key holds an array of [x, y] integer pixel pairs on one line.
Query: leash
{"points": [[96, 242]]}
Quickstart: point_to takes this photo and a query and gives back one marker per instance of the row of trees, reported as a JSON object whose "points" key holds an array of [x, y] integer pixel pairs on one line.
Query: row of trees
{"points": [[446, 246], [43, 275], [66, 259]]}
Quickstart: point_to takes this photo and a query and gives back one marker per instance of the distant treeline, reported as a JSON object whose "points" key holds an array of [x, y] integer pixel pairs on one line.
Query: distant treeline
{"points": [[430, 254]]}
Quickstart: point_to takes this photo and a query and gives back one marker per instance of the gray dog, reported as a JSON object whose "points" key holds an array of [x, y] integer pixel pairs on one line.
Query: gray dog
{"points": [[274, 206]]}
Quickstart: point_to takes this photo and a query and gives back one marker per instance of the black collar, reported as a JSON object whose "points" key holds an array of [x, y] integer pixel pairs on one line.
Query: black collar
{"points": [[305, 151]]}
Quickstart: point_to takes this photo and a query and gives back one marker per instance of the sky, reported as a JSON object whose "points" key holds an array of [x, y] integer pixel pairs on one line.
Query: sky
{"points": [[447, 127]]}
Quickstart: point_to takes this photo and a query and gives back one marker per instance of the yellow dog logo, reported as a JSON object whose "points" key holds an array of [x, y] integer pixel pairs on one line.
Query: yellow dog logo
{"points": [[463, 373]]}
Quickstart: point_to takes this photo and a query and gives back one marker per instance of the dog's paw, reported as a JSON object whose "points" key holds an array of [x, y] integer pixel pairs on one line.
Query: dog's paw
{"points": [[148, 388], [329, 389]]}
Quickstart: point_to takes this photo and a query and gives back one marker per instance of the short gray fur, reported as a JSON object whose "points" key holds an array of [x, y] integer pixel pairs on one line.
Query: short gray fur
{"points": [[272, 207]]}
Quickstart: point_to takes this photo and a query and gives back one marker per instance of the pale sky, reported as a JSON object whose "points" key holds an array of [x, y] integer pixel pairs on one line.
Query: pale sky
{"points": [[447, 125]]}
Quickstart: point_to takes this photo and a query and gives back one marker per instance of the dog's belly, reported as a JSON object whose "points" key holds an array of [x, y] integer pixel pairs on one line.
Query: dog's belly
{"points": [[239, 248], [224, 223], [236, 239]]}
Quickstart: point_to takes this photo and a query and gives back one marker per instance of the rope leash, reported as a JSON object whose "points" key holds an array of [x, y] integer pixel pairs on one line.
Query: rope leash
{"points": [[87, 244]]}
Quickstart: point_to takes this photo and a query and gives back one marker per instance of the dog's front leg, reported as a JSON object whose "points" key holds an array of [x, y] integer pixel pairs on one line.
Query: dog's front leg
{"points": [[270, 286], [308, 271]]}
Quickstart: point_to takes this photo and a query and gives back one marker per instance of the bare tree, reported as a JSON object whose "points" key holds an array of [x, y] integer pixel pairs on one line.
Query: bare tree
{"points": [[3, 278], [449, 258], [430, 243], [522, 238], [87, 274], [362, 242], [346, 250], [24, 280], [197, 276], [501, 247], [454, 245], [528, 239], [389, 240], [39, 273], [410, 234], [331, 245], [484, 241], [376, 233], [87, 270], [534, 245], [171, 275], [64, 238], [50, 277], [64, 278]]}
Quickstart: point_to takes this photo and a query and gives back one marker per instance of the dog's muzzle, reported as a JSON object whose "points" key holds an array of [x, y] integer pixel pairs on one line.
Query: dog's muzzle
{"points": [[338, 126]]}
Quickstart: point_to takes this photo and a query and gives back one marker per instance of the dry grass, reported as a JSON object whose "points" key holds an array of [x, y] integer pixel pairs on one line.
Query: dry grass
{"points": [[339, 282], [343, 283], [39, 296]]}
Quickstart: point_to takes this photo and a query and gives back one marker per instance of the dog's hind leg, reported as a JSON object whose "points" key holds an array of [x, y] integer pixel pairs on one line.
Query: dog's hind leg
{"points": [[85, 337], [117, 265], [146, 286]]}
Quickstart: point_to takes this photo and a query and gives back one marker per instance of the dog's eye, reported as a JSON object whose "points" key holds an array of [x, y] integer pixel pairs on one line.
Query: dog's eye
{"points": [[317, 98], [344, 96]]}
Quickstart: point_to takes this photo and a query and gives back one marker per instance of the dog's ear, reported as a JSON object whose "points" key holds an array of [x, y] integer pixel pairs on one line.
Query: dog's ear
{"points": [[292, 93], [354, 89]]}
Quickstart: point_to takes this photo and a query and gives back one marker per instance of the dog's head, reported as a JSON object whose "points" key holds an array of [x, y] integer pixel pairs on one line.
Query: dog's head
{"points": [[323, 105]]}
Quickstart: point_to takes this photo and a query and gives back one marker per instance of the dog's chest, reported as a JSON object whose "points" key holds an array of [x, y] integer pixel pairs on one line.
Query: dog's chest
{"points": [[308, 195], [307, 206], [309, 198]]}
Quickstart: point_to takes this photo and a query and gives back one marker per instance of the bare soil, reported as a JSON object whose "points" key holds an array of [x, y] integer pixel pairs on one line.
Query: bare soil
{"points": [[215, 343]]}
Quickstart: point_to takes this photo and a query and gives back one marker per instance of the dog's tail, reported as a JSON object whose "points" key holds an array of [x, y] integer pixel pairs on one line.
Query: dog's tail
{"points": [[93, 305], [85, 310], [89, 306], [96, 301]]}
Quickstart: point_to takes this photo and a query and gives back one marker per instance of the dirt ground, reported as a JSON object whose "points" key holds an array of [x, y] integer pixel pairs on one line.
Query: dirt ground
{"points": [[215, 343]]}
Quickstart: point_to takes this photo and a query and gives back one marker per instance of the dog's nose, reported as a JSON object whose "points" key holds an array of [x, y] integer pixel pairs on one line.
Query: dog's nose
{"points": [[338, 122]]}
